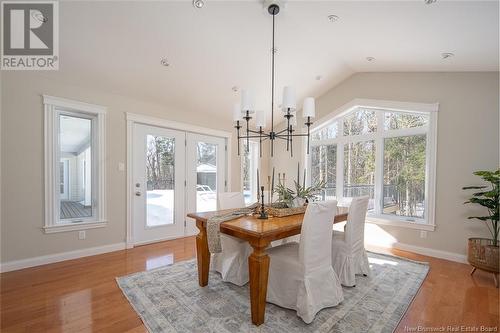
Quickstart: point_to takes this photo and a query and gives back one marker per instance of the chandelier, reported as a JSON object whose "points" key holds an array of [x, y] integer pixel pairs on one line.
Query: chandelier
{"points": [[245, 110]]}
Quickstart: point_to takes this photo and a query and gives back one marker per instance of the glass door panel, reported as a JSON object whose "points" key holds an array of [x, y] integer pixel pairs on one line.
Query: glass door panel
{"points": [[159, 158], [160, 180], [206, 174], [206, 177]]}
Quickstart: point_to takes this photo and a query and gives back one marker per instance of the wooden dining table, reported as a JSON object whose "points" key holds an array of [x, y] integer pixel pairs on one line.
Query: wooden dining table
{"points": [[259, 234]]}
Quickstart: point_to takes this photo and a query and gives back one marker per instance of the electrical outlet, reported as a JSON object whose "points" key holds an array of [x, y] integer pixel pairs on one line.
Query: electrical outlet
{"points": [[423, 234], [121, 166], [81, 235]]}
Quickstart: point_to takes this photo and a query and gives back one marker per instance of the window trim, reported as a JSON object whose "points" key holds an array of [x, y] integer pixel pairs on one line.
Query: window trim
{"points": [[53, 106], [428, 223]]}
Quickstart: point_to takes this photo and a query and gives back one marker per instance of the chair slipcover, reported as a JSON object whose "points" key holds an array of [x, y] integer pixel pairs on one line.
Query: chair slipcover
{"points": [[301, 276], [232, 262], [348, 248]]}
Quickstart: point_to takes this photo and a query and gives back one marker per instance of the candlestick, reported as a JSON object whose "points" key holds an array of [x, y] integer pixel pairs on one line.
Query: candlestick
{"points": [[258, 185], [272, 190], [304, 180], [298, 172], [269, 185], [263, 214]]}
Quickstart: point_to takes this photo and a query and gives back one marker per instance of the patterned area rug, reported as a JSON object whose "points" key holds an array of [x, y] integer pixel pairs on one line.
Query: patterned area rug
{"points": [[168, 299]]}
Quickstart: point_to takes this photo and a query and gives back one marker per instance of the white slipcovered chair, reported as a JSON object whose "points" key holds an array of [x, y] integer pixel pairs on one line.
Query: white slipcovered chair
{"points": [[232, 262], [348, 248], [301, 276]]}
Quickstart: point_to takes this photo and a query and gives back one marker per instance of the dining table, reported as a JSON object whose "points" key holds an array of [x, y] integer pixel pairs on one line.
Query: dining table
{"points": [[259, 233]]}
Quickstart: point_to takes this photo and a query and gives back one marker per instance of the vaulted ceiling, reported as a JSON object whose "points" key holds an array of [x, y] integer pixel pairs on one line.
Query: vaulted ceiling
{"points": [[117, 46]]}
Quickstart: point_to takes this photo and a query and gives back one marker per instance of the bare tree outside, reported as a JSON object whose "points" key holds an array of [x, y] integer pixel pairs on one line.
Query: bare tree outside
{"points": [[404, 161]]}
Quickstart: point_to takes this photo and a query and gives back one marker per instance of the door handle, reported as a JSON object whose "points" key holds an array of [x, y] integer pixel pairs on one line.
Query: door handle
{"points": [[138, 193]]}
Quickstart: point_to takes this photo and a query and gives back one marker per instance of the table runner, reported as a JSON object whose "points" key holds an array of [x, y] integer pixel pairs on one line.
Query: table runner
{"points": [[213, 226]]}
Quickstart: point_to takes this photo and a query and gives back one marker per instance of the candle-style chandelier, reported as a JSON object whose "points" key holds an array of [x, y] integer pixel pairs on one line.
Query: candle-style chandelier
{"points": [[244, 111]]}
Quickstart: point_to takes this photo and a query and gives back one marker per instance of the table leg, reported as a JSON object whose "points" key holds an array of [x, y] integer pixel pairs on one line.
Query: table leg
{"points": [[258, 266], [202, 254]]}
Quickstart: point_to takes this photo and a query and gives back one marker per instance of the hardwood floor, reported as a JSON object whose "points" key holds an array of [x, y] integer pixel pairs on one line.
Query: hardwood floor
{"points": [[82, 296]]}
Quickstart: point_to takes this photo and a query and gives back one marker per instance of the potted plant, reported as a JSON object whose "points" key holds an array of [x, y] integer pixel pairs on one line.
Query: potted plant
{"points": [[300, 196], [483, 252]]}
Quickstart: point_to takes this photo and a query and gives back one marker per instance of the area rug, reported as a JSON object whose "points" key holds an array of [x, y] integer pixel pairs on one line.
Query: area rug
{"points": [[168, 299]]}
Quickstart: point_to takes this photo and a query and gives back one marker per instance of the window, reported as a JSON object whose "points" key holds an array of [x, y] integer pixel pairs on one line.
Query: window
{"points": [[74, 165], [249, 165], [385, 151], [324, 162]]}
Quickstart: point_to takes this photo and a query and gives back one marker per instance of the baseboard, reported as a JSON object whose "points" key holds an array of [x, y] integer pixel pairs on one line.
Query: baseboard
{"points": [[431, 252], [57, 257]]}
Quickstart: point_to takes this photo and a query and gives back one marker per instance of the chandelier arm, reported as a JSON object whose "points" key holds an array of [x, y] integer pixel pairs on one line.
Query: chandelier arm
{"points": [[291, 142], [249, 137], [284, 130], [255, 132], [284, 136]]}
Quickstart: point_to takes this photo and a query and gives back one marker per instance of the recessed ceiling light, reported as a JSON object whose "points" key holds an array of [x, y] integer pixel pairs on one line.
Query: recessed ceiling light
{"points": [[428, 2], [164, 62], [370, 59], [333, 18], [198, 3], [447, 55]]}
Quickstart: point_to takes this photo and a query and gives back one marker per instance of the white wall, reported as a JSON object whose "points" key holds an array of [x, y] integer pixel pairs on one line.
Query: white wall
{"points": [[468, 140], [22, 174]]}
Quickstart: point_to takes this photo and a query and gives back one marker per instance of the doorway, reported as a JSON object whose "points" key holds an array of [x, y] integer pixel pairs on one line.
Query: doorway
{"points": [[173, 173]]}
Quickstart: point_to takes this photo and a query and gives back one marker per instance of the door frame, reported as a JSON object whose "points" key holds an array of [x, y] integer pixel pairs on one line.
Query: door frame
{"points": [[134, 118]]}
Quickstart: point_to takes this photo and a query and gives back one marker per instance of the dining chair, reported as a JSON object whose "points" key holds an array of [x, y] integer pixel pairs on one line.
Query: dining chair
{"points": [[232, 262], [301, 276], [348, 248]]}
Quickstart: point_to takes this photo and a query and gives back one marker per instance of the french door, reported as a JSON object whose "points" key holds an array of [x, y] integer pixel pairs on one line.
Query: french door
{"points": [[159, 158], [206, 171], [174, 172]]}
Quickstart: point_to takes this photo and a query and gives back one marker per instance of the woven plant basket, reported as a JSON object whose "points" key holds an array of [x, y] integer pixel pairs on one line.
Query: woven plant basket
{"points": [[280, 210], [483, 254]]}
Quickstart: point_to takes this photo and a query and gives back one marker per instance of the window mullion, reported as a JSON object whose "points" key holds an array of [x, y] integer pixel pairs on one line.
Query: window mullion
{"points": [[379, 164], [340, 171], [339, 181]]}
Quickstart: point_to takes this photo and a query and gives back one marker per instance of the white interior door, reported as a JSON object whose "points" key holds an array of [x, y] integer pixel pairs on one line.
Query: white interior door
{"points": [[206, 174], [159, 164]]}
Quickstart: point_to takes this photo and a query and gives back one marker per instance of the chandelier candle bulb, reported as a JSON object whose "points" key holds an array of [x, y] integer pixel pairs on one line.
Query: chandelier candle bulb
{"points": [[289, 99], [309, 109], [260, 119], [246, 101], [237, 115]]}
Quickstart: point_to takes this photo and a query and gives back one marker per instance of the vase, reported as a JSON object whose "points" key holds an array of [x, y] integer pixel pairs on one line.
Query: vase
{"points": [[298, 202]]}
